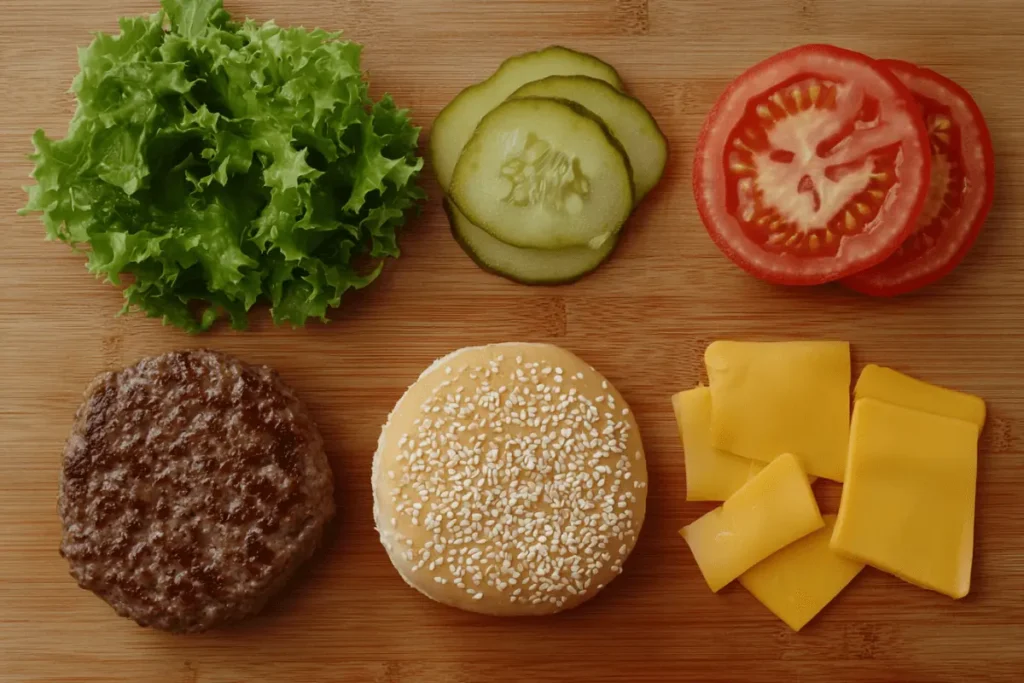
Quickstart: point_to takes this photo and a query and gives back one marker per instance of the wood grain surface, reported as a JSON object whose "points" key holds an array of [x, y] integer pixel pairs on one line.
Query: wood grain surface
{"points": [[643, 320]]}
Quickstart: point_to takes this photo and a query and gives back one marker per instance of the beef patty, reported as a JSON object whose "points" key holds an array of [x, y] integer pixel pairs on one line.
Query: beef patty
{"points": [[193, 487]]}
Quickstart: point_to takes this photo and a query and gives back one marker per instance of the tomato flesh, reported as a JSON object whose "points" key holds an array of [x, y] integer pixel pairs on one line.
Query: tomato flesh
{"points": [[960, 192], [813, 165]]}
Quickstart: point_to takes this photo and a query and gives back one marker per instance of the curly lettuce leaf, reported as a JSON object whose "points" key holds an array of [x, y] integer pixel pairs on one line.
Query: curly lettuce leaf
{"points": [[218, 164]]}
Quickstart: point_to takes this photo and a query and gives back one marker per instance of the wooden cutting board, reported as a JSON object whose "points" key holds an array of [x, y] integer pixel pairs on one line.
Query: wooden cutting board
{"points": [[643, 320]]}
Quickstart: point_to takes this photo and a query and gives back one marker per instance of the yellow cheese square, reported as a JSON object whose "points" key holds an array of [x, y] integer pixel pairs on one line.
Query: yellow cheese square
{"points": [[756, 466], [767, 513], [782, 397], [711, 474], [798, 581], [908, 504], [902, 390]]}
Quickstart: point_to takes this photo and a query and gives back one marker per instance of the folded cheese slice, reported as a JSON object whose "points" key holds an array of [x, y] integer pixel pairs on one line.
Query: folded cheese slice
{"points": [[894, 387], [782, 397], [766, 514], [908, 503], [798, 581], [711, 474]]}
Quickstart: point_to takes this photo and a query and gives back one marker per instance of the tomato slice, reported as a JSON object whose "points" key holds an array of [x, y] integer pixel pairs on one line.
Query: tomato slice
{"points": [[962, 183], [813, 165]]}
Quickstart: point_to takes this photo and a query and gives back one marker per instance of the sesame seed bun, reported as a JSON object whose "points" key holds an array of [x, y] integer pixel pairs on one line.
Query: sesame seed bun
{"points": [[510, 480]]}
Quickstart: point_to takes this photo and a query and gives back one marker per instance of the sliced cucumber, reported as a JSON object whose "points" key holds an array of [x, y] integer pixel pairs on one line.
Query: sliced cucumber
{"points": [[528, 266], [627, 119], [456, 122], [544, 174]]}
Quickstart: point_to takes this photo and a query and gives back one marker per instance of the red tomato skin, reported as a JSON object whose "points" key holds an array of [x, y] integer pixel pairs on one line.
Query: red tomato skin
{"points": [[863, 284], [721, 240]]}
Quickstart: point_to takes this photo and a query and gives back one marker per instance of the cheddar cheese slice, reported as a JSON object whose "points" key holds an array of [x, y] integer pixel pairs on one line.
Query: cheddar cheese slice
{"points": [[711, 474], [756, 466], [899, 389], [767, 513], [782, 397], [798, 581], [908, 504]]}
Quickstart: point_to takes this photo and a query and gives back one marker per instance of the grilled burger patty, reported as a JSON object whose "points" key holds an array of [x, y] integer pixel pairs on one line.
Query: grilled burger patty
{"points": [[193, 486]]}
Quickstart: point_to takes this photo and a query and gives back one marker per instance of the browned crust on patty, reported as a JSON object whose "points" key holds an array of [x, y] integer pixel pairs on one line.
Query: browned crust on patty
{"points": [[193, 486]]}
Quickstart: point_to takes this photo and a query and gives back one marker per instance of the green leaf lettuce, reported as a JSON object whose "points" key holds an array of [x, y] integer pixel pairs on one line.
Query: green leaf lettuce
{"points": [[217, 164]]}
